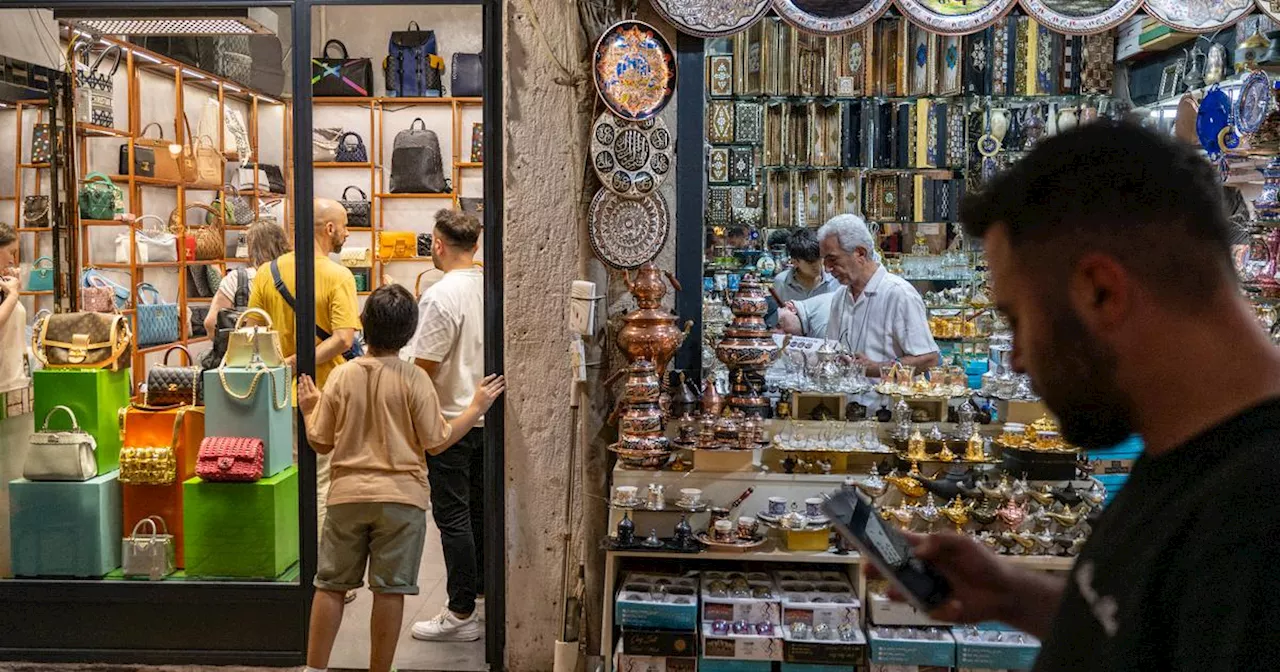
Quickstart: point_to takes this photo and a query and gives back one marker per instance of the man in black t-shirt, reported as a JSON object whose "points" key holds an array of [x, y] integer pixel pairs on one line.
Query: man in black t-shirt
{"points": [[1109, 251]]}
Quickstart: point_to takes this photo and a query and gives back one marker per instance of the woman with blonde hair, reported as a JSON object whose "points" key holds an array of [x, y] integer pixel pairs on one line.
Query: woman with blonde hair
{"points": [[267, 240]]}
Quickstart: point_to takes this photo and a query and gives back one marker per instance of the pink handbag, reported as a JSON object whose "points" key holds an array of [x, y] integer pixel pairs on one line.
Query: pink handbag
{"points": [[98, 297], [230, 459]]}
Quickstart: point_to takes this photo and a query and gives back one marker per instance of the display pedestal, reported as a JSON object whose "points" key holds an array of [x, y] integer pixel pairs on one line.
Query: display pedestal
{"points": [[60, 528], [96, 396], [155, 428], [241, 530], [255, 417]]}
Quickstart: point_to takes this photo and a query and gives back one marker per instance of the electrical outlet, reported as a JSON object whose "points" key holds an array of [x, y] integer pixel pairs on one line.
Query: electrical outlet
{"points": [[582, 308]]}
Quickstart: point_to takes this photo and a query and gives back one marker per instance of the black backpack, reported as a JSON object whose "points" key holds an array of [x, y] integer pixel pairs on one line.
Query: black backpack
{"points": [[226, 321], [417, 166]]}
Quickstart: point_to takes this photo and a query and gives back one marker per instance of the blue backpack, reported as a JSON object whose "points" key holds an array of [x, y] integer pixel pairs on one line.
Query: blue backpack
{"points": [[412, 67]]}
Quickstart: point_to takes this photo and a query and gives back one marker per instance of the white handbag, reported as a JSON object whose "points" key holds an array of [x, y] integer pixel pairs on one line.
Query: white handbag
{"points": [[154, 245], [324, 144], [61, 455], [235, 135], [148, 552], [244, 178]]}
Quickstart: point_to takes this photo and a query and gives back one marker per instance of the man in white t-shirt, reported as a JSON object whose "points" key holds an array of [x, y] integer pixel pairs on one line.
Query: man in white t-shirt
{"points": [[449, 346]]}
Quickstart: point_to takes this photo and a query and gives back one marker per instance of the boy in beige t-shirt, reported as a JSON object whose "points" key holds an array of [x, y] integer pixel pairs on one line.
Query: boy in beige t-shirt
{"points": [[374, 419]]}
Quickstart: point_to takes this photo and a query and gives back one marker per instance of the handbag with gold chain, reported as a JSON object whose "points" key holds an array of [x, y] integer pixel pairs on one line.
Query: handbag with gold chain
{"points": [[152, 465]]}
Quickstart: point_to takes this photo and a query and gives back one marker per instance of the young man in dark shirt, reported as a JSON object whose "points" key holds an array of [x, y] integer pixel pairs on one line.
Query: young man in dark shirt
{"points": [[1109, 251]]}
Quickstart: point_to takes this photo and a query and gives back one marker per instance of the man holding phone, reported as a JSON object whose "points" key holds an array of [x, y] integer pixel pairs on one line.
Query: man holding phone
{"points": [[1109, 252]]}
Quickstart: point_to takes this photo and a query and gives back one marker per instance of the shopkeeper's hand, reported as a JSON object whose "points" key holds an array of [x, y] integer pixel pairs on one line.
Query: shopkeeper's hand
{"points": [[308, 394], [873, 368], [980, 581]]}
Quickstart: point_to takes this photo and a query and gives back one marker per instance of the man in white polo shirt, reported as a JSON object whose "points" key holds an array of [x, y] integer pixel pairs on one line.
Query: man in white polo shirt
{"points": [[876, 315], [449, 346]]}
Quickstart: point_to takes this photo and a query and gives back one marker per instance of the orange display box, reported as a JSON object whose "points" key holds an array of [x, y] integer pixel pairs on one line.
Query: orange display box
{"points": [[155, 428]]}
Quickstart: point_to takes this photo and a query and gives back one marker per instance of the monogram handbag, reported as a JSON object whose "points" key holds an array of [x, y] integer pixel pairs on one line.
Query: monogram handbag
{"points": [[351, 152], [35, 212], [99, 294], [61, 455], [236, 209], [230, 459], [468, 76], [357, 209], [324, 144], [95, 90], [83, 341], [211, 243], [149, 550], [247, 341], [343, 76], [397, 244], [165, 163], [100, 198], [174, 385], [357, 257], [424, 245], [40, 279], [157, 320]]}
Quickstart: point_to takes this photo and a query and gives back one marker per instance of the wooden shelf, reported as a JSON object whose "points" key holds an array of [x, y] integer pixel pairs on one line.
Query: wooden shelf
{"points": [[251, 192], [34, 166], [401, 260], [104, 222], [470, 101], [340, 164], [342, 100], [420, 100], [94, 131], [448, 196], [470, 164], [149, 181], [34, 229], [27, 292]]}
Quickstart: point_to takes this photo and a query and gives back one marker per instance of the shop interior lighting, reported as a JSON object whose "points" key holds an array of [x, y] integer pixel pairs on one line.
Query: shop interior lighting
{"points": [[231, 87], [159, 21], [145, 57], [192, 75]]}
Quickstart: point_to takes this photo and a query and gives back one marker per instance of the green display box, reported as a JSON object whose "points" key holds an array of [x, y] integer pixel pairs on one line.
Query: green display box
{"points": [[96, 396], [65, 528], [241, 530]]}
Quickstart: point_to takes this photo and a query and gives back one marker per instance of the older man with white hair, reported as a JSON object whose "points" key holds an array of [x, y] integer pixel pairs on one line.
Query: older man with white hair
{"points": [[878, 316]]}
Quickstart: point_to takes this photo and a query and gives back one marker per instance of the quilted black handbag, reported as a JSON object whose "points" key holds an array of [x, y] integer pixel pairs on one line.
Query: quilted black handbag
{"points": [[351, 152], [357, 209], [424, 244], [345, 76], [275, 177], [198, 313], [468, 76], [174, 385]]}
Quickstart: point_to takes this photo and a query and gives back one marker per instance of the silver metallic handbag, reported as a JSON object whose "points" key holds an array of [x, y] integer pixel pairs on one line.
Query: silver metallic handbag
{"points": [[61, 455], [148, 552]]}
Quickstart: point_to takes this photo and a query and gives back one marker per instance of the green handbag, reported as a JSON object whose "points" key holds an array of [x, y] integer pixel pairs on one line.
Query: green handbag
{"points": [[100, 198]]}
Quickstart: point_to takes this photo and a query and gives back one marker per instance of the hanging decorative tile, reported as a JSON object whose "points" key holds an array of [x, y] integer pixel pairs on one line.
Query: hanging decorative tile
{"points": [[742, 164], [948, 17], [718, 165], [717, 206], [947, 66], [829, 17], [711, 18], [1081, 17], [720, 75], [720, 121], [749, 122]]}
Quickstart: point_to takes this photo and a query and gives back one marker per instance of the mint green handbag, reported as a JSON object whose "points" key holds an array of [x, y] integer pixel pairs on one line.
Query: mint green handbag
{"points": [[100, 198]]}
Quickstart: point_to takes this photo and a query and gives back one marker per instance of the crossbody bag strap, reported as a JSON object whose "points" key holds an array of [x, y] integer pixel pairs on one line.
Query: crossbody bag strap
{"points": [[288, 297], [241, 298]]}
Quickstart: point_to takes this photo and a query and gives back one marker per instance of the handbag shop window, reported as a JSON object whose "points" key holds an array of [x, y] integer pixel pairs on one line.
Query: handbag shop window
{"points": [[154, 441]]}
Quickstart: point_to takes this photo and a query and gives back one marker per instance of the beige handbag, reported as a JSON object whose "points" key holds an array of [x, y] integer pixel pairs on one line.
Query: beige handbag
{"points": [[211, 165], [248, 341], [211, 242], [357, 257]]}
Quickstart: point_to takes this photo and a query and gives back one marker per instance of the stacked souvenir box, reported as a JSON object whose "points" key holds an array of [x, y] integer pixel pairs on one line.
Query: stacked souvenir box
{"points": [[994, 650], [658, 615], [741, 622], [821, 619], [911, 649]]}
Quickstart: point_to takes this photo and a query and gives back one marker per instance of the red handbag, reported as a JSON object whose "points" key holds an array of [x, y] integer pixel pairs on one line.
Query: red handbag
{"points": [[189, 247], [232, 459]]}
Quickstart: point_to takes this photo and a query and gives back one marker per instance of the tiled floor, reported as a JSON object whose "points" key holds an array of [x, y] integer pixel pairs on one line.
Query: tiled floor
{"points": [[352, 648]]}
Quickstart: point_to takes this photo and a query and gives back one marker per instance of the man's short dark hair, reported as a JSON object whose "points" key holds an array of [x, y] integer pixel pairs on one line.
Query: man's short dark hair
{"points": [[1120, 189], [779, 237], [803, 245], [390, 317], [458, 230]]}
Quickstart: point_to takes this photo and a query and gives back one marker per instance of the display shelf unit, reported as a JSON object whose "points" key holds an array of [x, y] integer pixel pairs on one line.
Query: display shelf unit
{"points": [[379, 166], [41, 237], [136, 62]]}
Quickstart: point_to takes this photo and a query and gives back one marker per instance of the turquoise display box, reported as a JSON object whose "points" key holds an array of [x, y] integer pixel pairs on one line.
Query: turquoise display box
{"points": [[96, 396], [241, 530], [267, 414], [65, 528]]}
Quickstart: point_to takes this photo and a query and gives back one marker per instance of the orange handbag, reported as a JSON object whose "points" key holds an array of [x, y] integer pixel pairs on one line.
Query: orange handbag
{"points": [[397, 244]]}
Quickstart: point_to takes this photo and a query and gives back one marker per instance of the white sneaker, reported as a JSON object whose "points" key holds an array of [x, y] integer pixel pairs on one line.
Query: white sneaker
{"points": [[448, 628]]}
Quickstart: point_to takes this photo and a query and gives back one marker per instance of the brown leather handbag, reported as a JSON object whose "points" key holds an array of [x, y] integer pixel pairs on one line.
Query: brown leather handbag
{"points": [[165, 164], [187, 157], [83, 341], [211, 242]]}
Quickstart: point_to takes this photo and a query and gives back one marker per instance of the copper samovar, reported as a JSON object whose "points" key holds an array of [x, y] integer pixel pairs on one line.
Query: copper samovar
{"points": [[649, 331], [748, 348], [642, 442]]}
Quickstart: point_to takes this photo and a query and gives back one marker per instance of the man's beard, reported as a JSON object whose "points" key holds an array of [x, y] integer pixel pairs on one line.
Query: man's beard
{"points": [[1075, 375], [336, 243]]}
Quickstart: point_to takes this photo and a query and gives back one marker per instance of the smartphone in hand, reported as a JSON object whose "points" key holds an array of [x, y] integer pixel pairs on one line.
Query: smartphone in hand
{"points": [[855, 519]]}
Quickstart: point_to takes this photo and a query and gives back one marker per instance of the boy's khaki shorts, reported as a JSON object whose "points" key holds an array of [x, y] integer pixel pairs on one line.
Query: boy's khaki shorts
{"points": [[389, 537]]}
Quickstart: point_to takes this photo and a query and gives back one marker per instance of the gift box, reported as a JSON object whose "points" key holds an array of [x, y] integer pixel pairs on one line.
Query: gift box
{"points": [[825, 652], [241, 530], [96, 396], [65, 528], [253, 403], [818, 598], [657, 601], [626, 661], [993, 650], [939, 652], [740, 647], [761, 606]]}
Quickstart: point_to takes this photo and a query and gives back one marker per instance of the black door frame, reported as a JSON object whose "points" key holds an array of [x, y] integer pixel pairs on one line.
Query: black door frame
{"points": [[264, 623]]}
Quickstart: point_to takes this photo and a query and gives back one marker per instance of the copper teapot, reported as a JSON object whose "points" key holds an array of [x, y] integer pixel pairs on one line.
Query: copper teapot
{"points": [[650, 331]]}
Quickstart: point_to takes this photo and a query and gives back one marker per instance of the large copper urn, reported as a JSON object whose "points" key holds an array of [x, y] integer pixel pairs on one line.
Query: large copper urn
{"points": [[650, 332], [748, 348]]}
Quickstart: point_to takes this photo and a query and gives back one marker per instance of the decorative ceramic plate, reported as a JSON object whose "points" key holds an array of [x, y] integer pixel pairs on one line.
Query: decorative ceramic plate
{"points": [[1253, 102], [711, 18], [1081, 17], [829, 17], [635, 70], [1266, 8], [950, 17], [1212, 119], [631, 158], [1198, 16], [627, 232]]}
